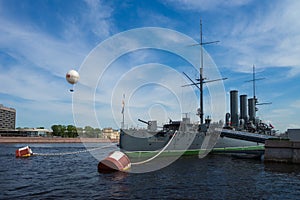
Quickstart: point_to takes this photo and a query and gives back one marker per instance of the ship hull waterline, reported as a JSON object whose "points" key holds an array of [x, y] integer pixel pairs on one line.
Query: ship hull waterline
{"points": [[224, 145]]}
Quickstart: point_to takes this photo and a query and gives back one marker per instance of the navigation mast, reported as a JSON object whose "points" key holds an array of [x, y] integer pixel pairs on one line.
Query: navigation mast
{"points": [[254, 79], [201, 79]]}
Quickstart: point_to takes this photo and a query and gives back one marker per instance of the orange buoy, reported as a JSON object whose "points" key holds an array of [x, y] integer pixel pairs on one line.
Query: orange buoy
{"points": [[116, 161], [23, 152]]}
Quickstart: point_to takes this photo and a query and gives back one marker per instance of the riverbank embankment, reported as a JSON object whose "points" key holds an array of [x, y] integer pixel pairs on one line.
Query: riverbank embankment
{"points": [[53, 140]]}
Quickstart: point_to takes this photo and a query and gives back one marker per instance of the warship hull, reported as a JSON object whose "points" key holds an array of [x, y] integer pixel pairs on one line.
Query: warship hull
{"points": [[137, 143], [235, 146]]}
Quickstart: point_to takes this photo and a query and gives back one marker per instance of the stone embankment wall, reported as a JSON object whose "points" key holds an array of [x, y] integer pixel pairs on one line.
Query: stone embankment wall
{"points": [[282, 151], [51, 140]]}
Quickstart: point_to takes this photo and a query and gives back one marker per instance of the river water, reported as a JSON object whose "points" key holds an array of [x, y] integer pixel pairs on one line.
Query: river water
{"points": [[75, 176]]}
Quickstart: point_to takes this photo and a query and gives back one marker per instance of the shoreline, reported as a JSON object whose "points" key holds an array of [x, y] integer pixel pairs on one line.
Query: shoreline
{"points": [[5, 140]]}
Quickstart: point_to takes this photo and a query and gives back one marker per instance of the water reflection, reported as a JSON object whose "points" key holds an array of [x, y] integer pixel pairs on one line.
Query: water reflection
{"points": [[114, 176], [115, 183], [282, 167]]}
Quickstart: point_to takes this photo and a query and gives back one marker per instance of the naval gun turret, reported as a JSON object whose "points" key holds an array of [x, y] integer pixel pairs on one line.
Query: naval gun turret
{"points": [[152, 125]]}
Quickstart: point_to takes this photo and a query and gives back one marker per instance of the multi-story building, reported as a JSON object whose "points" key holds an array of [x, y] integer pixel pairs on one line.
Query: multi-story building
{"points": [[7, 118], [110, 133]]}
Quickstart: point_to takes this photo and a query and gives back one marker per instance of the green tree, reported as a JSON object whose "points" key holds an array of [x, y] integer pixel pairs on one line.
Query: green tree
{"points": [[63, 131], [89, 132], [71, 131], [98, 132], [79, 131], [55, 130], [59, 130]]}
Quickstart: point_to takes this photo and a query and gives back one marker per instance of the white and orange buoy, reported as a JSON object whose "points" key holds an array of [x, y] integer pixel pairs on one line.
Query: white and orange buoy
{"points": [[116, 161], [23, 152]]}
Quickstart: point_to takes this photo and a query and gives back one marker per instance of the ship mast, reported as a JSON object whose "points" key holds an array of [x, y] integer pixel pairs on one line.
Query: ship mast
{"points": [[201, 75], [254, 97], [254, 79], [201, 79]]}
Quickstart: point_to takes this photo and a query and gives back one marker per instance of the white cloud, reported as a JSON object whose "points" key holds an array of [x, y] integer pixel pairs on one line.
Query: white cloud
{"points": [[31, 85], [264, 34], [293, 126], [37, 49], [29, 44], [202, 5], [269, 38], [283, 118], [37, 75], [296, 104], [98, 17]]}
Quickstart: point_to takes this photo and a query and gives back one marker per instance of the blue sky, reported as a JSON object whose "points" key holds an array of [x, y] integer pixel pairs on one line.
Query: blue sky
{"points": [[41, 40]]}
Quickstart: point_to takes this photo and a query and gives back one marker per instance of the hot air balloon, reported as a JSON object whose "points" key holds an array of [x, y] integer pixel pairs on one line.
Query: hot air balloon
{"points": [[72, 77]]}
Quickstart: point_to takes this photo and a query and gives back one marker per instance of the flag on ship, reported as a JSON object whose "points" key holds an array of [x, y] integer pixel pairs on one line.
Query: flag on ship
{"points": [[123, 104]]}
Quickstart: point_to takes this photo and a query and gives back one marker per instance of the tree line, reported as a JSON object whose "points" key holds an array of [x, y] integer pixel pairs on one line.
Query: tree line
{"points": [[72, 131]]}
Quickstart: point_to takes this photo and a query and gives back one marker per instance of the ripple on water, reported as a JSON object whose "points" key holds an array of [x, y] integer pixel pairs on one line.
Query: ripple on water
{"points": [[76, 176]]}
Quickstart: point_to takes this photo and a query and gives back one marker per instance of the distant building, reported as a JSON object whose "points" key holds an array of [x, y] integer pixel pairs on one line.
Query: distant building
{"points": [[26, 132], [36, 132], [8, 125], [109, 133], [7, 117]]}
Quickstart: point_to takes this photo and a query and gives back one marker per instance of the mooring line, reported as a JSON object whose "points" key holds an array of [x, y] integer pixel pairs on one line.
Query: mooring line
{"points": [[70, 153], [148, 160]]}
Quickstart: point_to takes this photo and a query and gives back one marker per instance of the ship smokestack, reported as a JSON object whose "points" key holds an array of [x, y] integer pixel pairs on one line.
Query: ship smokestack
{"points": [[234, 108], [243, 107], [251, 109]]}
